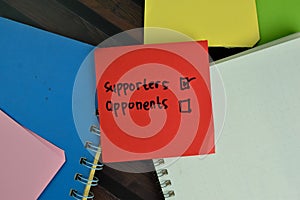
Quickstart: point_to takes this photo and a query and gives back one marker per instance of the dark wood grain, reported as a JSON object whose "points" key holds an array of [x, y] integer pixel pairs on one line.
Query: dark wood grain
{"points": [[124, 14], [102, 193], [139, 185], [54, 17]]}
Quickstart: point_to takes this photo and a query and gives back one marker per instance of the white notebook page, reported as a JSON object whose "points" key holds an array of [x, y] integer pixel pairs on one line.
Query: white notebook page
{"points": [[257, 153]]}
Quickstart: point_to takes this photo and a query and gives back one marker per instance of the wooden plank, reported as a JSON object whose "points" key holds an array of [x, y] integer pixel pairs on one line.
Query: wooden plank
{"points": [[124, 14], [103, 194], [54, 17], [143, 185], [90, 16], [9, 12]]}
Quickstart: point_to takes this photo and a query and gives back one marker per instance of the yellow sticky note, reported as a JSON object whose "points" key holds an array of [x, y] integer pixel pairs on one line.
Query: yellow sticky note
{"points": [[227, 23]]}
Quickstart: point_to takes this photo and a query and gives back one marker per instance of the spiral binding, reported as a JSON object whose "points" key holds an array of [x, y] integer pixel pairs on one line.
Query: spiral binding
{"points": [[90, 146], [86, 181], [164, 184], [91, 165], [95, 130], [78, 196], [83, 161]]}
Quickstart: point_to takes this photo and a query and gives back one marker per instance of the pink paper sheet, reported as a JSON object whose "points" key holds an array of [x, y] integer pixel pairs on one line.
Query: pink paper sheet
{"points": [[28, 162]]}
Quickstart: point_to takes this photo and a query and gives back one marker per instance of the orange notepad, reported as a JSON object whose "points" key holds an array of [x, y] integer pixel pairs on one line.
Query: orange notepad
{"points": [[28, 162], [154, 101]]}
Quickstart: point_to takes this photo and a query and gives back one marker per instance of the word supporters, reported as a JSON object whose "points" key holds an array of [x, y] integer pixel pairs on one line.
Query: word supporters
{"points": [[154, 101]]}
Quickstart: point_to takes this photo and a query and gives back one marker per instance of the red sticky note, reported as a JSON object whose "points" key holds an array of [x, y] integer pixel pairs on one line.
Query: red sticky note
{"points": [[154, 101]]}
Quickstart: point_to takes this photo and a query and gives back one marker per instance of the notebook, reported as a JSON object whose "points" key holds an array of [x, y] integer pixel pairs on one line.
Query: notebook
{"points": [[28, 161], [230, 23], [277, 18], [257, 148], [44, 88]]}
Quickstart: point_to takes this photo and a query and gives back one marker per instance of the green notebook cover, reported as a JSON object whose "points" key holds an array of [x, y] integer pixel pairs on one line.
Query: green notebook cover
{"points": [[277, 18]]}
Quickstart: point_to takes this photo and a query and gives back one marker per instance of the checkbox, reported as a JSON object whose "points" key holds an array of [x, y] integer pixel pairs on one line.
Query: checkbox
{"points": [[185, 82], [185, 106]]}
